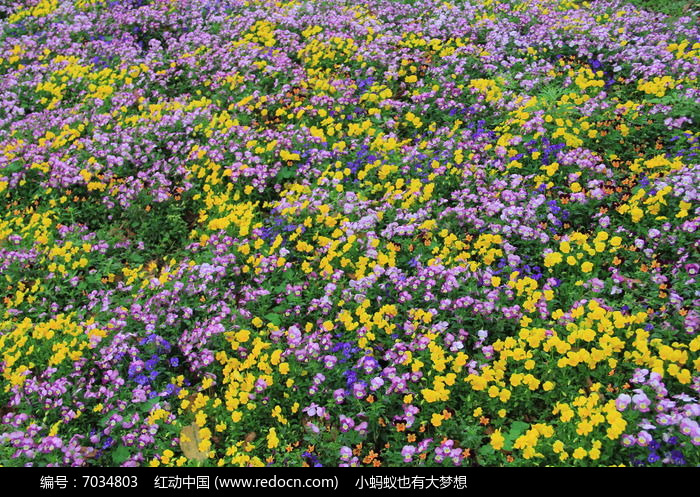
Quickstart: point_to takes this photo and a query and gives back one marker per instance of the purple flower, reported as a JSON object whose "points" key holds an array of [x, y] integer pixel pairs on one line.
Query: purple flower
{"points": [[424, 444], [622, 402], [646, 425], [362, 428], [641, 401], [346, 423], [345, 453], [329, 361], [313, 427], [359, 389], [664, 419], [677, 457], [314, 410], [407, 452], [644, 438], [691, 410], [639, 376], [376, 383], [339, 395]]}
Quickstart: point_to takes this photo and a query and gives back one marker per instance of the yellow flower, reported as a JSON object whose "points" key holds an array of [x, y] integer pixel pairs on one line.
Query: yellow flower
{"points": [[580, 453], [637, 214], [552, 259], [272, 440], [497, 440], [504, 395], [586, 267]]}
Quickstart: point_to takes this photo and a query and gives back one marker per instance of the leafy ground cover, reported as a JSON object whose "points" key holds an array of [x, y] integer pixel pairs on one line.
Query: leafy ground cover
{"points": [[354, 233]]}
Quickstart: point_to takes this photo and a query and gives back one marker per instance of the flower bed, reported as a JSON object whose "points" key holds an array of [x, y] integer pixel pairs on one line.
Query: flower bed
{"points": [[247, 233]]}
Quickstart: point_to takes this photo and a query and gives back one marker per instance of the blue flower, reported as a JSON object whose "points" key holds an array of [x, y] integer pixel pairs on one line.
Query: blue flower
{"points": [[677, 457]]}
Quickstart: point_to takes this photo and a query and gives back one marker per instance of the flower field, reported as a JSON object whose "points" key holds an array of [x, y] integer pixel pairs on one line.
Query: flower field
{"points": [[348, 233]]}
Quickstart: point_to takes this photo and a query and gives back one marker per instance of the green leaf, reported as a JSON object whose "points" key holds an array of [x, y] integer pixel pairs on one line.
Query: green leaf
{"points": [[149, 405], [516, 429], [120, 455], [273, 318], [486, 450]]}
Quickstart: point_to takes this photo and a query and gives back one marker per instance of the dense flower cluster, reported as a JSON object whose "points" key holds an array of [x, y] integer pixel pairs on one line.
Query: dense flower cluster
{"points": [[246, 232]]}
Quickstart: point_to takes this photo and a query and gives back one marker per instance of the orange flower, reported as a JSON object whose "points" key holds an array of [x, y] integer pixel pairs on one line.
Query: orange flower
{"points": [[411, 437], [400, 427], [370, 457], [484, 420], [466, 453]]}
